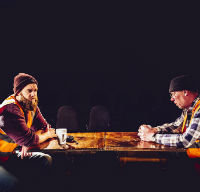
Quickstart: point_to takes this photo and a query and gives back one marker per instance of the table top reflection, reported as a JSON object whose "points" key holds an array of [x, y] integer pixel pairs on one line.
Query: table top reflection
{"points": [[126, 146], [109, 141]]}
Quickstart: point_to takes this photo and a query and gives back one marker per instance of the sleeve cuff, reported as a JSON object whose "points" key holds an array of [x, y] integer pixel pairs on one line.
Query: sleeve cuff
{"points": [[153, 138]]}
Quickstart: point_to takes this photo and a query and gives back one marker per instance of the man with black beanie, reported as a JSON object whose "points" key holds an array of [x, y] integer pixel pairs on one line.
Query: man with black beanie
{"points": [[185, 131], [22, 126]]}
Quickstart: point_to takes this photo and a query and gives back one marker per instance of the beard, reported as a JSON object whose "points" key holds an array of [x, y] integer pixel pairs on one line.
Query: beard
{"points": [[27, 104]]}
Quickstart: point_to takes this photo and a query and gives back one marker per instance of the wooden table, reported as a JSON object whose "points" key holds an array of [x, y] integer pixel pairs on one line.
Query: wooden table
{"points": [[115, 160], [126, 145]]}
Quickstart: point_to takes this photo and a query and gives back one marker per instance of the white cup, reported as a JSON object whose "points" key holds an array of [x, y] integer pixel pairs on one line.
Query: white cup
{"points": [[62, 135]]}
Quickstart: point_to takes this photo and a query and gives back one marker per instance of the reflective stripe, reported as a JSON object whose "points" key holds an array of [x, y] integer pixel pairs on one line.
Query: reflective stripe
{"points": [[6, 138], [184, 124], [6, 143]]}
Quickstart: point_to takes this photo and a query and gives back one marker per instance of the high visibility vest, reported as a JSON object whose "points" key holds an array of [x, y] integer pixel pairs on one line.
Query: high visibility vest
{"points": [[195, 109], [192, 152], [7, 145]]}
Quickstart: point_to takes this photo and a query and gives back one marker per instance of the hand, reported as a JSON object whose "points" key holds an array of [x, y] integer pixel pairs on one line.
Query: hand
{"points": [[52, 133], [143, 128], [147, 129], [44, 136], [146, 132], [24, 152], [48, 127]]}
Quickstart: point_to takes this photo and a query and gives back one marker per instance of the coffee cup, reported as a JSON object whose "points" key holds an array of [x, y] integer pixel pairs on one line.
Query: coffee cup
{"points": [[62, 135]]}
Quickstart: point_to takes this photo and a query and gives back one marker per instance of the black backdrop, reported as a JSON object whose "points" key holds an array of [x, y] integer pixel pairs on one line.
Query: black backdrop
{"points": [[121, 56]]}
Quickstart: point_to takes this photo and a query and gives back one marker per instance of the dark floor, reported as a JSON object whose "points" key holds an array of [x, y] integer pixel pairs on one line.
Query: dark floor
{"points": [[104, 172]]}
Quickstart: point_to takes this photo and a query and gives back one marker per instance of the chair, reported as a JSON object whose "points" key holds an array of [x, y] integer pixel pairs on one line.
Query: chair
{"points": [[67, 118], [99, 119]]}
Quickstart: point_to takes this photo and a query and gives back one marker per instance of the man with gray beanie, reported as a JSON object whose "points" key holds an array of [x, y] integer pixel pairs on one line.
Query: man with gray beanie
{"points": [[21, 127], [184, 132]]}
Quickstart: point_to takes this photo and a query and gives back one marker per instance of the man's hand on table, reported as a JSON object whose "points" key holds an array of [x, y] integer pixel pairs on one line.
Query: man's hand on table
{"points": [[51, 133], [146, 133], [45, 135]]}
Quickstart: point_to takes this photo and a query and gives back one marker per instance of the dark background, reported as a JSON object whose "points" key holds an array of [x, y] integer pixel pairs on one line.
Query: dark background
{"points": [[119, 55]]}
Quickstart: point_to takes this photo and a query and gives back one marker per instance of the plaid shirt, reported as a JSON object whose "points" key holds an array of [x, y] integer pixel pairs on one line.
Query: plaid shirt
{"points": [[170, 133]]}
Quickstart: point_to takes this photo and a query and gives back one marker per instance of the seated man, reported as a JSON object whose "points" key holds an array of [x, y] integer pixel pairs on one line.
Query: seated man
{"points": [[185, 131], [22, 126]]}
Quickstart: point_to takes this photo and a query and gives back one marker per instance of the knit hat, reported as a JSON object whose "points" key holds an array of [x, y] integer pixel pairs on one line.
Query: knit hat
{"points": [[21, 80], [183, 82]]}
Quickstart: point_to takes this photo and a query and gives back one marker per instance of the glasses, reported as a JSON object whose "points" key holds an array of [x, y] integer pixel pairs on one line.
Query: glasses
{"points": [[172, 95]]}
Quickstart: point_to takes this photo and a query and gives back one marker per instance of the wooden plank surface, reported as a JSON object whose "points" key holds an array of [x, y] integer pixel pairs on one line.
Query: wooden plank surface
{"points": [[88, 140], [121, 139], [129, 141], [110, 141]]}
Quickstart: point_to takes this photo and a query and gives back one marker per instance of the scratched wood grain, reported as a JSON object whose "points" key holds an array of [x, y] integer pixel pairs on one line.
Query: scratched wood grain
{"points": [[121, 139], [88, 140], [130, 141], [108, 141]]}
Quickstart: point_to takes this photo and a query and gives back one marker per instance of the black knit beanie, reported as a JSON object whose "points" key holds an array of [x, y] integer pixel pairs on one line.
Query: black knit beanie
{"points": [[183, 82], [21, 80]]}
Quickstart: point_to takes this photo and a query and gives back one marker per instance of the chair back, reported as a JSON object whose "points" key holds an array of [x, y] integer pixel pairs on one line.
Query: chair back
{"points": [[99, 119], [67, 118]]}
